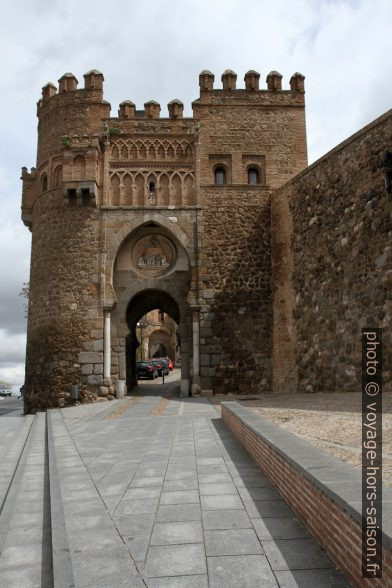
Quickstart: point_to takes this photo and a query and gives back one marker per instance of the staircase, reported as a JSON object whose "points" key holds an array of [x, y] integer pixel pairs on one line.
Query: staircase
{"points": [[25, 517], [44, 483]]}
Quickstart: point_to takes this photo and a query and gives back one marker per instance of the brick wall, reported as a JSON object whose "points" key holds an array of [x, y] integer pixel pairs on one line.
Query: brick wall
{"points": [[339, 533]]}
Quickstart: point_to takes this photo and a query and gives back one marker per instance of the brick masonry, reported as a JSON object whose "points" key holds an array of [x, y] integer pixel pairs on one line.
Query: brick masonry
{"points": [[331, 521]]}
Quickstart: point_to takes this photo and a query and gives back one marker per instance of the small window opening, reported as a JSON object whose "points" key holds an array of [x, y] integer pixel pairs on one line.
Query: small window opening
{"points": [[86, 197], [58, 173], [44, 183], [151, 187], [220, 176], [253, 176], [72, 197]]}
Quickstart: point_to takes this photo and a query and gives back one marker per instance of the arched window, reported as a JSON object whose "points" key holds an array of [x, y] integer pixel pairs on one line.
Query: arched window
{"points": [[57, 176], [220, 176], [44, 183], [253, 176]]}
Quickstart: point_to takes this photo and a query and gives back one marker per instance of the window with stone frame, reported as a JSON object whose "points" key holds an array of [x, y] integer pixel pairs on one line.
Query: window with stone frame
{"points": [[219, 175], [253, 176]]}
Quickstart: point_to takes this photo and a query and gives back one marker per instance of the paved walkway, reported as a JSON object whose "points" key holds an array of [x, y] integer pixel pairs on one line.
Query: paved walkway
{"points": [[155, 492]]}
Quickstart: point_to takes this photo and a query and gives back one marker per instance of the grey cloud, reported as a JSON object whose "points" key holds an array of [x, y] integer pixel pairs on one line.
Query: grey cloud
{"points": [[155, 51], [12, 312]]}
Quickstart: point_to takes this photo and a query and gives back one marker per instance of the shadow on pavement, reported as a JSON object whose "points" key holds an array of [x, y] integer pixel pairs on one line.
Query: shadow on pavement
{"points": [[289, 547]]}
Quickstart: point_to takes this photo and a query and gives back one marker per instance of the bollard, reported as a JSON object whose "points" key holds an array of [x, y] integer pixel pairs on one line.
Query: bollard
{"points": [[74, 393], [120, 389]]}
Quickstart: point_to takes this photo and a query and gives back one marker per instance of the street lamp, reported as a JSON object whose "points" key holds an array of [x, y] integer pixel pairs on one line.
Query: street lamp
{"points": [[142, 325]]}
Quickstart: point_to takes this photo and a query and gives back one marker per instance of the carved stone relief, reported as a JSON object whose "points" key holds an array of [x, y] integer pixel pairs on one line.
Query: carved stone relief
{"points": [[153, 255]]}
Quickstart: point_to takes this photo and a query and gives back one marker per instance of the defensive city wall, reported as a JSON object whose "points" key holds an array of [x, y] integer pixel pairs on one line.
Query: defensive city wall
{"points": [[332, 264], [269, 275]]}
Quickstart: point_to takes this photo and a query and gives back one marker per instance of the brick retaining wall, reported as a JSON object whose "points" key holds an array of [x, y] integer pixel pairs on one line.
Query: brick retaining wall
{"points": [[324, 493]]}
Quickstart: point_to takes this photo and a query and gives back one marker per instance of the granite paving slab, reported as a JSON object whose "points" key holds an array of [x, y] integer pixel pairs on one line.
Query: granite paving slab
{"points": [[247, 571], [161, 495]]}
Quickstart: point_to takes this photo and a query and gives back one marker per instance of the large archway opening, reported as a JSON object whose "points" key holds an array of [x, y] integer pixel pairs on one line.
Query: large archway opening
{"points": [[152, 274], [155, 308]]}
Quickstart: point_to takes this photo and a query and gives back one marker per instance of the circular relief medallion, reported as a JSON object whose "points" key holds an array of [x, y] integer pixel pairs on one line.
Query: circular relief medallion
{"points": [[154, 255]]}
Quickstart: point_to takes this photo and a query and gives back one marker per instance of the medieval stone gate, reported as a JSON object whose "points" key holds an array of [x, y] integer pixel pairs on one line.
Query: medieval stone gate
{"points": [[140, 212]]}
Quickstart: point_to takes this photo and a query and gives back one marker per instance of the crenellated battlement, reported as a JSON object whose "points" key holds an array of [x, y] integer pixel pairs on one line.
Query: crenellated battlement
{"points": [[75, 124], [252, 82], [93, 82], [93, 91]]}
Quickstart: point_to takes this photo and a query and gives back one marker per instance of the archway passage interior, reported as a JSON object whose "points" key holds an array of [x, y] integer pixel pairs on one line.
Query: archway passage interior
{"points": [[139, 306], [158, 337]]}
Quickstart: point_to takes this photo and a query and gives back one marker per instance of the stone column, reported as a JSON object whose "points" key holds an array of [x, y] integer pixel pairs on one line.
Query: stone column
{"points": [[184, 386], [186, 348], [196, 351], [106, 346]]}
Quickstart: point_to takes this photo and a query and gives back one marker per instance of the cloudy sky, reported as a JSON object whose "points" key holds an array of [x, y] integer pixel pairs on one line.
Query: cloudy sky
{"points": [[155, 49]]}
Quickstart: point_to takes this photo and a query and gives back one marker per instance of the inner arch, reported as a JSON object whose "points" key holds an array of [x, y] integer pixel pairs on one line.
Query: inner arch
{"points": [[148, 300], [140, 304]]}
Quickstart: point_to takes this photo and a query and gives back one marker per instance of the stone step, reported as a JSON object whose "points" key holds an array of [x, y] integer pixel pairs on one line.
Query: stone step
{"points": [[25, 527], [14, 433], [87, 548]]}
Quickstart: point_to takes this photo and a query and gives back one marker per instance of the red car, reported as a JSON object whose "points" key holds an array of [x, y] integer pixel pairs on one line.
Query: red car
{"points": [[169, 362], [161, 365]]}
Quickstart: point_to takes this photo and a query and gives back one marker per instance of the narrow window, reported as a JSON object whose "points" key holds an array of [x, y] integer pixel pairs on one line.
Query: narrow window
{"points": [[85, 197], [253, 176], [220, 176], [151, 187], [72, 197], [44, 183], [57, 176]]}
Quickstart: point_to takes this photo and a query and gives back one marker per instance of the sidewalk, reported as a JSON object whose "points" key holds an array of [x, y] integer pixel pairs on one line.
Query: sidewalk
{"points": [[155, 492]]}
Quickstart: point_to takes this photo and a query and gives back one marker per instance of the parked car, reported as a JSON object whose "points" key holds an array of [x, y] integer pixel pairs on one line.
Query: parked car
{"points": [[146, 369], [161, 365], [169, 362], [5, 393]]}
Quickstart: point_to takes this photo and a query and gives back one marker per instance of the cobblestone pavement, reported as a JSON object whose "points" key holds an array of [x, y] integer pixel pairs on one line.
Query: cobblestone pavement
{"points": [[153, 491]]}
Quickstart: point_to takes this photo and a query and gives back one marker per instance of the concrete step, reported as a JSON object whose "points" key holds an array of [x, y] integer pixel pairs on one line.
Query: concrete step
{"points": [[87, 548], [25, 526], [14, 433]]}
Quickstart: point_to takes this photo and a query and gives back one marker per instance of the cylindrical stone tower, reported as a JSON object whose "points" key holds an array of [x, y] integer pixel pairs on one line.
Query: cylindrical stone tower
{"points": [[59, 205]]}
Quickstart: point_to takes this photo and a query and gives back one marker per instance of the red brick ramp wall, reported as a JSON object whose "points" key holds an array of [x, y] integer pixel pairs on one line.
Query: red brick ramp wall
{"points": [[325, 493]]}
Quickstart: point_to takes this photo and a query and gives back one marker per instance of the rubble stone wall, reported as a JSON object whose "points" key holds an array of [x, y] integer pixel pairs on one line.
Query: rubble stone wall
{"points": [[63, 307], [332, 265], [241, 129], [235, 277]]}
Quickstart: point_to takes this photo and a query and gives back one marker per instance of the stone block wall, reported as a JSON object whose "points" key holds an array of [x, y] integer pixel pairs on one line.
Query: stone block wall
{"points": [[332, 265]]}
